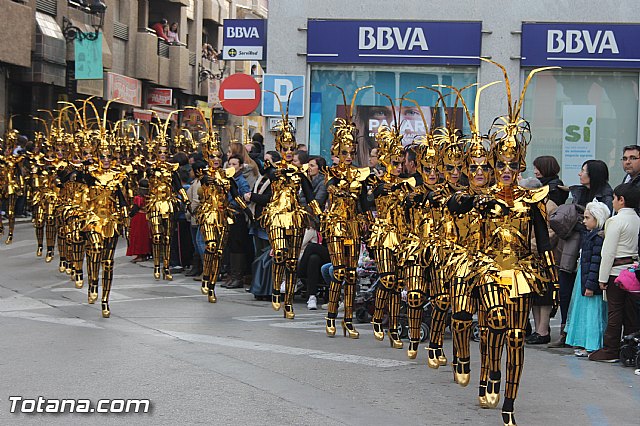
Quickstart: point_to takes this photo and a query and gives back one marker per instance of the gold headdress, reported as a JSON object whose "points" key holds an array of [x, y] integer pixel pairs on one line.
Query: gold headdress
{"points": [[284, 137], [389, 139], [345, 132], [160, 143], [510, 135], [210, 142]]}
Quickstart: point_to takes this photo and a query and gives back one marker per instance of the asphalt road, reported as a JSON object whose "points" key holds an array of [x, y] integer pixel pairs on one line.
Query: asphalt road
{"points": [[239, 362]]}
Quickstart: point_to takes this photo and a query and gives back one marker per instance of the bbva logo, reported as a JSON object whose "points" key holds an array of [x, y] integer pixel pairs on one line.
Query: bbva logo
{"points": [[576, 41], [242, 32], [386, 38]]}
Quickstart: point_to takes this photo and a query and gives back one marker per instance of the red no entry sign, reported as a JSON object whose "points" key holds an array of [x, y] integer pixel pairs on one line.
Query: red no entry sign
{"points": [[239, 94]]}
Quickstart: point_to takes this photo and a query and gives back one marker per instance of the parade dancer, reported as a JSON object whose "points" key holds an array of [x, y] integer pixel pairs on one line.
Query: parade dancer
{"points": [[284, 217], [11, 179], [347, 190], [162, 201], [215, 213]]}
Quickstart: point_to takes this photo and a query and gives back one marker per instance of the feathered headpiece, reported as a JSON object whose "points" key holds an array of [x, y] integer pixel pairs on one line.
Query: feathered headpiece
{"points": [[344, 130]]}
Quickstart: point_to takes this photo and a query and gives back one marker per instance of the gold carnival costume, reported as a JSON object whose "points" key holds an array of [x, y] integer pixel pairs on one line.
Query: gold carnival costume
{"points": [[284, 217], [215, 213], [347, 189], [105, 212], [388, 227], [162, 201], [11, 179]]}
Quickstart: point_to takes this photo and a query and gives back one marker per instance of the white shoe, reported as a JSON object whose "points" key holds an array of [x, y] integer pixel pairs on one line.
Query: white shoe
{"points": [[312, 303]]}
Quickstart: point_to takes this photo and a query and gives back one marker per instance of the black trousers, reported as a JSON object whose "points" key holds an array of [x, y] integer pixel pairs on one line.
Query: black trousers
{"points": [[314, 256], [566, 281]]}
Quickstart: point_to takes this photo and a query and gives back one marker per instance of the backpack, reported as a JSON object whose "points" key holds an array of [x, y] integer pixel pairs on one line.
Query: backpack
{"points": [[566, 219]]}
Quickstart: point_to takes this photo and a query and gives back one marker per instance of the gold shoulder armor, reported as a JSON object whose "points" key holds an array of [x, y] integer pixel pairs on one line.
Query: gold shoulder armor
{"points": [[363, 173], [536, 195], [173, 166], [229, 172], [411, 181], [304, 168]]}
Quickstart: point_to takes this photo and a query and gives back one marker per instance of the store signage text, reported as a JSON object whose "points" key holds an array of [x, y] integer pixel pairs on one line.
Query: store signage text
{"points": [[394, 42], [583, 45], [242, 32], [576, 41], [385, 38]]}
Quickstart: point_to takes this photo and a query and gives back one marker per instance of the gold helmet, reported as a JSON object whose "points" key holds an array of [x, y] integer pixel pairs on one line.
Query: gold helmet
{"points": [[345, 132], [285, 138], [510, 135], [159, 145], [210, 143]]}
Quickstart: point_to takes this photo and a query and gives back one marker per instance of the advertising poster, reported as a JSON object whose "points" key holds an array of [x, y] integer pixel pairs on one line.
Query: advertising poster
{"points": [[369, 118], [578, 140]]}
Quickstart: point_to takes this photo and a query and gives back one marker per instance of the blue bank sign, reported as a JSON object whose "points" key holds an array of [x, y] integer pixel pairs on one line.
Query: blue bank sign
{"points": [[581, 45], [394, 42], [244, 40]]}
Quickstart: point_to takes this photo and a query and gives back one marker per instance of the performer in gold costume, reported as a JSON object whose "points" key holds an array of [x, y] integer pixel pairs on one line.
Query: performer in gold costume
{"points": [[516, 273], [162, 201], [284, 217], [347, 190], [215, 212], [11, 179], [106, 210], [466, 264], [388, 228]]}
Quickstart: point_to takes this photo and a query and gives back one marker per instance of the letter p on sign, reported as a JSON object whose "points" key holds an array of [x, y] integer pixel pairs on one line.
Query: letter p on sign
{"points": [[282, 86]]}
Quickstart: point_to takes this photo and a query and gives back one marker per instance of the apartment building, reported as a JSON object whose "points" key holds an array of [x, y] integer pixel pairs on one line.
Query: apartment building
{"points": [[37, 55]]}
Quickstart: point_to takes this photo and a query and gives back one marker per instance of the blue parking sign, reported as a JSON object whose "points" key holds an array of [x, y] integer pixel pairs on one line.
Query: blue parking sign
{"points": [[282, 85]]}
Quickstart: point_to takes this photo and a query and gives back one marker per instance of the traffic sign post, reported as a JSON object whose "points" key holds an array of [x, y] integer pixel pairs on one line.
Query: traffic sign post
{"points": [[239, 94]]}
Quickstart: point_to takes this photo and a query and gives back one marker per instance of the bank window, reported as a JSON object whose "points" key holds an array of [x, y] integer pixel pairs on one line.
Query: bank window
{"points": [[581, 115], [373, 110]]}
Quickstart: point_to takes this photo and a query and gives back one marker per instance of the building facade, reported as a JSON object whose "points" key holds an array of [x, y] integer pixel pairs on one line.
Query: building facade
{"points": [[140, 71], [586, 109]]}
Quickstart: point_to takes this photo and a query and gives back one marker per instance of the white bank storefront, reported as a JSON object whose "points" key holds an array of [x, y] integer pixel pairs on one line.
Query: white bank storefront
{"points": [[587, 109]]}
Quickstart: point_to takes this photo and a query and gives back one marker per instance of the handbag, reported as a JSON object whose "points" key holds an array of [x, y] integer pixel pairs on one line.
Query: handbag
{"points": [[565, 219], [627, 279]]}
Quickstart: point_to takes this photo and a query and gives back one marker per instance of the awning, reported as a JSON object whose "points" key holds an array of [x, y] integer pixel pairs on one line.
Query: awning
{"points": [[48, 26]]}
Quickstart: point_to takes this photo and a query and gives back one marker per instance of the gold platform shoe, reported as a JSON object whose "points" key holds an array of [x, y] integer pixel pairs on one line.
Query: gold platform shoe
{"points": [[493, 393], [93, 294], [459, 375], [39, 251], [9, 238], [156, 273], [205, 287], [348, 328], [106, 313], [288, 312], [276, 301], [432, 358], [211, 294], [508, 418], [412, 352], [330, 327], [394, 340], [166, 274], [49, 257], [378, 331]]}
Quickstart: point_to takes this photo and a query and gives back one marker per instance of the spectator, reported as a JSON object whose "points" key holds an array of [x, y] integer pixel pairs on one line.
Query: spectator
{"points": [[316, 164], [238, 232], [300, 158], [255, 152], [181, 244], [172, 35], [410, 168], [619, 249], [542, 305], [257, 137], [309, 268], [546, 169], [198, 169], [631, 164], [139, 233], [250, 169], [588, 316], [302, 147], [159, 28], [594, 183], [258, 199]]}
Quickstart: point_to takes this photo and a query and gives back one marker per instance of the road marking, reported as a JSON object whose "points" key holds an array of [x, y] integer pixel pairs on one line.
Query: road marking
{"points": [[76, 322], [21, 243], [276, 317], [287, 350], [596, 415]]}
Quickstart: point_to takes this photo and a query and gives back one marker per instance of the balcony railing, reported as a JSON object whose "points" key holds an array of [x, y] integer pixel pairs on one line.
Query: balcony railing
{"points": [[163, 48]]}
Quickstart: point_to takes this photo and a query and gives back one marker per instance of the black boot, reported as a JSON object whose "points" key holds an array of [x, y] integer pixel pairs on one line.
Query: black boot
{"points": [[237, 270]]}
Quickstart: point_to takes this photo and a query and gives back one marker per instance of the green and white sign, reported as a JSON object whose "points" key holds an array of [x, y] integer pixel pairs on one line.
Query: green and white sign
{"points": [[88, 56], [578, 140]]}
